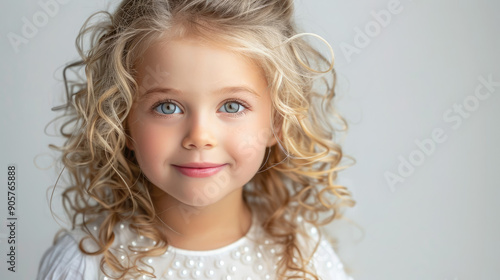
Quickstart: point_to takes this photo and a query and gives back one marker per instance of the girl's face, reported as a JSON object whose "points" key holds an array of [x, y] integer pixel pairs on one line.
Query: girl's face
{"points": [[199, 104]]}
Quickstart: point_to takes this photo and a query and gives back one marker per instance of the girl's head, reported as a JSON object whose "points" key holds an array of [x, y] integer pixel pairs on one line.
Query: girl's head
{"points": [[172, 82]]}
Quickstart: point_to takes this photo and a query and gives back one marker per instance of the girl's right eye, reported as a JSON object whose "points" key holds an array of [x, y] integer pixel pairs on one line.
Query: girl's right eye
{"points": [[167, 108]]}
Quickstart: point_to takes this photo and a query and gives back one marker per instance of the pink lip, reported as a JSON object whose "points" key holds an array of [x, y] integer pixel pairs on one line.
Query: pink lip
{"points": [[199, 170]]}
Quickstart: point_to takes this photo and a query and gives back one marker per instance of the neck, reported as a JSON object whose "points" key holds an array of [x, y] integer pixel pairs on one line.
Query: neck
{"points": [[202, 228]]}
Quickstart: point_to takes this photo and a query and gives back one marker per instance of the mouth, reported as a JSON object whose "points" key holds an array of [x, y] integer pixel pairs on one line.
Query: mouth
{"points": [[199, 170]]}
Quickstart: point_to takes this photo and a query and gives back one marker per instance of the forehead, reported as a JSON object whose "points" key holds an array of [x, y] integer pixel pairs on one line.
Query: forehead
{"points": [[191, 63]]}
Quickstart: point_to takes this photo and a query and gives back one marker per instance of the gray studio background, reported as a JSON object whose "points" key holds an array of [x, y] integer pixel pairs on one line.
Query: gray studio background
{"points": [[419, 83]]}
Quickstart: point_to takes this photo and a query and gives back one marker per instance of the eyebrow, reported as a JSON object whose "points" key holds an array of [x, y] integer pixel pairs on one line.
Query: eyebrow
{"points": [[221, 91]]}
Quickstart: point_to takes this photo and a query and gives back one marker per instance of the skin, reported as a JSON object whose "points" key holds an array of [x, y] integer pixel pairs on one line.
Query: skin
{"points": [[185, 111]]}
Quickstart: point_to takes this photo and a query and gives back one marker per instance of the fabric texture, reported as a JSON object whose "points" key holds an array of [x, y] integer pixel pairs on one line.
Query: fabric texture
{"points": [[252, 257]]}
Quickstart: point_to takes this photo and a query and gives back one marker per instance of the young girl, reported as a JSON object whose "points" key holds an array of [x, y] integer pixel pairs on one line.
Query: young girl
{"points": [[200, 147]]}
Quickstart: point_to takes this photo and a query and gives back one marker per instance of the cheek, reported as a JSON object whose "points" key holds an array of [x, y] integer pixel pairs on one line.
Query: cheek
{"points": [[248, 154], [249, 144], [151, 144]]}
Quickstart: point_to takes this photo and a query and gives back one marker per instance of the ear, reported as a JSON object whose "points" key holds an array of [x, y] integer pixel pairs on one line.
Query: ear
{"points": [[128, 138], [129, 144], [272, 140], [273, 137]]}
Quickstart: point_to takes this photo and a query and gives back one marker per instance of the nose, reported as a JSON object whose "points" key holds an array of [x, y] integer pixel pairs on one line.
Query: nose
{"points": [[200, 135]]}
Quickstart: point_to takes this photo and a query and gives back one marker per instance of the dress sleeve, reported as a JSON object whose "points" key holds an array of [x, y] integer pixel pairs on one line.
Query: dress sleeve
{"points": [[328, 264], [65, 261]]}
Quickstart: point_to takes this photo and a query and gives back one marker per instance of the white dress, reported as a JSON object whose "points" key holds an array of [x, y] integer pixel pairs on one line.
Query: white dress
{"points": [[251, 257]]}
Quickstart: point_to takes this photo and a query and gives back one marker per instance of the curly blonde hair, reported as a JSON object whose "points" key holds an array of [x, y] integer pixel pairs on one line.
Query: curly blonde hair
{"points": [[298, 177]]}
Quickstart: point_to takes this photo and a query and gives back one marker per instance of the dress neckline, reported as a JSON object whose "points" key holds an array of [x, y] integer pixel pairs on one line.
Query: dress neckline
{"points": [[226, 248]]}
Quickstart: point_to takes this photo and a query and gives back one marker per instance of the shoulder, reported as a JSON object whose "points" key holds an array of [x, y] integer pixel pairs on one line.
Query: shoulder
{"points": [[64, 260], [326, 261], [328, 264]]}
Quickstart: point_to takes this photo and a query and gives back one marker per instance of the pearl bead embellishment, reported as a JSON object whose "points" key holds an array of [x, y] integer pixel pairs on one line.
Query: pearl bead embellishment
{"points": [[246, 259]]}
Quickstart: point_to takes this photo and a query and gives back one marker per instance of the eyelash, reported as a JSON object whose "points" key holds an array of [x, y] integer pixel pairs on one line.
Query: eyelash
{"points": [[235, 115]]}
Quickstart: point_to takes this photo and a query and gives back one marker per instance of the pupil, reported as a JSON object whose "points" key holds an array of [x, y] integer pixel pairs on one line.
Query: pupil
{"points": [[167, 108], [232, 106]]}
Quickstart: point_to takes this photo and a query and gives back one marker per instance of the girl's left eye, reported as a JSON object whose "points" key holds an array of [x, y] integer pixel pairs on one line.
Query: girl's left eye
{"points": [[233, 107]]}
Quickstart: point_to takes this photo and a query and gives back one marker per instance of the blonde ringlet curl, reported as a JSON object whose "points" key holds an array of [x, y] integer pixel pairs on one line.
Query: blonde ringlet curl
{"points": [[297, 178]]}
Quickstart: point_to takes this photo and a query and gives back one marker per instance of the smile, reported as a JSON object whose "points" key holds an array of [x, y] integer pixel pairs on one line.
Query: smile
{"points": [[198, 172]]}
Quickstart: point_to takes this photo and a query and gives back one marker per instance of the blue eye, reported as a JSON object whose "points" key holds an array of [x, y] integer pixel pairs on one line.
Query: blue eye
{"points": [[167, 108], [232, 107], [235, 108]]}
